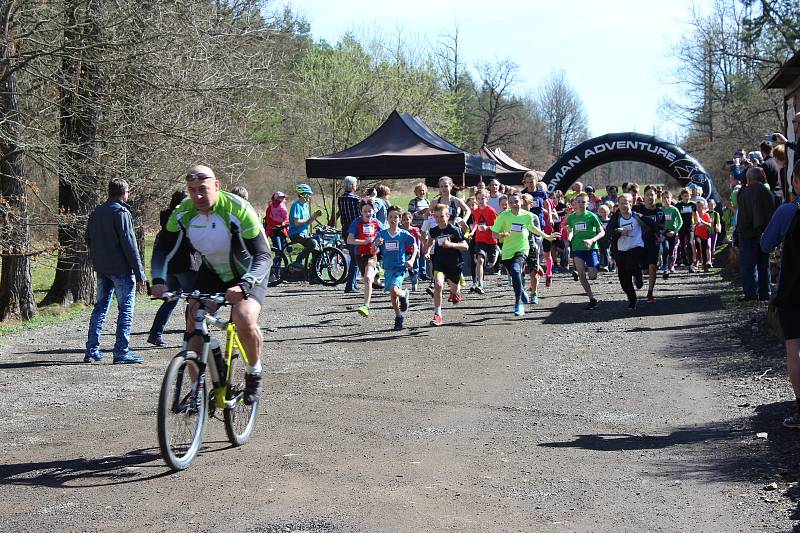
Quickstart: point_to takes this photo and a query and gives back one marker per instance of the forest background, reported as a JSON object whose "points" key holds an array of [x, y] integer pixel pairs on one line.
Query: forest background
{"points": [[91, 90]]}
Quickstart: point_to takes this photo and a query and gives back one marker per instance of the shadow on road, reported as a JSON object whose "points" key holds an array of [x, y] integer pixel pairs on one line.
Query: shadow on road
{"points": [[613, 442], [566, 312], [42, 364]]}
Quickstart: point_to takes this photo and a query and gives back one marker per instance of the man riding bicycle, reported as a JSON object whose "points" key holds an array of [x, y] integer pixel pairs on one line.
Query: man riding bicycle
{"points": [[227, 232]]}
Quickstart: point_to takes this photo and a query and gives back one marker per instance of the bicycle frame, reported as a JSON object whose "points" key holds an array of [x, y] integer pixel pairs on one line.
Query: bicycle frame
{"points": [[201, 321]]}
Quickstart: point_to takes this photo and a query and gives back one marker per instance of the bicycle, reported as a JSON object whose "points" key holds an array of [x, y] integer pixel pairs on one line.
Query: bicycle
{"points": [[326, 264], [184, 400]]}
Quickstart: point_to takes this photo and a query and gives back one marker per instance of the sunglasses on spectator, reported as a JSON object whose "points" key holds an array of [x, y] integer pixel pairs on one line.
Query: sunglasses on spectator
{"points": [[191, 176]]}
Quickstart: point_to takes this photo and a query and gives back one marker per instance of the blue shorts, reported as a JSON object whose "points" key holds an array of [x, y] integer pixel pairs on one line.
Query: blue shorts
{"points": [[590, 257], [393, 278]]}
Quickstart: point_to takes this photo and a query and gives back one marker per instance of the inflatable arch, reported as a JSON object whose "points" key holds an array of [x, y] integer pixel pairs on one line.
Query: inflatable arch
{"points": [[629, 146]]}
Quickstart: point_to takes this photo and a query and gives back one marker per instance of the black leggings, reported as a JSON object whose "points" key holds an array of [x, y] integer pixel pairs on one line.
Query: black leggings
{"points": [[629, 267], [685, 254], [308, 244]]}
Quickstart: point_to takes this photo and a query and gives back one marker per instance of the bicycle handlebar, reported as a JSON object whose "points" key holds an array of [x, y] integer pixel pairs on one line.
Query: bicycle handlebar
{"points": [[216, 298]]}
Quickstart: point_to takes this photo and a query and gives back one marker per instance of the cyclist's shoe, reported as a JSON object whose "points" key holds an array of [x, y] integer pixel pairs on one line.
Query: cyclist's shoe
{"points": [[128, 359], [363, 310], [437, 320], [252, 388], [93, 357], [156, 340], [519, 309], [398, 322], [793, 422], [404, 302], [593, 303]]}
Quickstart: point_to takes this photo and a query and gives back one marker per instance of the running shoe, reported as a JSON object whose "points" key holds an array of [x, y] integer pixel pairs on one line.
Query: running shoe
{"points": [[363, 310], [535, 299], [437, 320], [632, 304], [455, 298], [480, 290], [650, 298], [519, 309], [665, 274], [548, 280], [252, 388], [575, 275], [706, 267], [398, 322], [593, 303], [404, 302], [429, 290], [793, 422], [525, 298]]}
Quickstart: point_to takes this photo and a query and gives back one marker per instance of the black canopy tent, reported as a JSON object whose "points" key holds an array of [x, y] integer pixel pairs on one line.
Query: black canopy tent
{"points": [[508, 172], [403, 147]]}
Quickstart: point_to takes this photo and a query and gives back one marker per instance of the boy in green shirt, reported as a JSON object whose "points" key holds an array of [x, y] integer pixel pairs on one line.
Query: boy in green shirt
{"points": [[673, 222], [585, 229], [514, 226]]}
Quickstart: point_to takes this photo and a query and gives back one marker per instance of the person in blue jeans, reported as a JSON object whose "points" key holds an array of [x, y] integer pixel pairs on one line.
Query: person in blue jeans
{"points": [[756, 206], [183, 267], [115, 258]]}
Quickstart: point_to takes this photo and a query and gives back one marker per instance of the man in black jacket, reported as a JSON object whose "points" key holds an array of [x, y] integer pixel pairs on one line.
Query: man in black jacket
{"points": [[115, 258], [756, 206]]}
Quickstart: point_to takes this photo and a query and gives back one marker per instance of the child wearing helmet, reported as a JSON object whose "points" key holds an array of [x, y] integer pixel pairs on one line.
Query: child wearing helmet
{"points": [[300, 219]]}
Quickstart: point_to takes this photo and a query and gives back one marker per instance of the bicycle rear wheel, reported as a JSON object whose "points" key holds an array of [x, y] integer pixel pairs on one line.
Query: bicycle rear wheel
{"points": [[240, 419], [181, 412], [278, 271], [330, 266]]}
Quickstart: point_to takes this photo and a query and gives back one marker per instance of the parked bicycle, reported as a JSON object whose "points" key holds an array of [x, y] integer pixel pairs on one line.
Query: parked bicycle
{"points": [[326, 264], [184, 400]]}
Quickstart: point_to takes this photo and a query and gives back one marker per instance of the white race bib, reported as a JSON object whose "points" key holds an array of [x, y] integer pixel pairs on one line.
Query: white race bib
{"points": [[367, 229], [686, 209], [516, 227], [442, 239], [667, 216], [392, 246], [580, 226]]}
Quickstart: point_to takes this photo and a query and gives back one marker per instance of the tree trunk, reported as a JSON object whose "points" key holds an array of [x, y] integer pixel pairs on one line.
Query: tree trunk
{"points": [[80, 90], [16, 293]]}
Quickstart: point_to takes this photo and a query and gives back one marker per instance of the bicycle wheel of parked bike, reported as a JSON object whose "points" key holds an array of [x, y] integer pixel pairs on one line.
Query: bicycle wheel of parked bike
{"points": [[181, 412], [240, 419], [277, 274], [330, 266]]}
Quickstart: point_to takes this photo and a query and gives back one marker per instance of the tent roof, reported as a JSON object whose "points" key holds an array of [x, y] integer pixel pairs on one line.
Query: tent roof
{"points": [[509, 172], [402, 147]]}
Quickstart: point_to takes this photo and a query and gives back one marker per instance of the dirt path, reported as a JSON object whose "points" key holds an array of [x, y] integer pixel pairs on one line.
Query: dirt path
{"points": [[564, 420]]}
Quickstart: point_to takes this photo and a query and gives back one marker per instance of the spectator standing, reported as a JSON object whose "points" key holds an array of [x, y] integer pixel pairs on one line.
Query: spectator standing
{"points": [[382, 203], [772, 171], [785, 226], [115, 258], [756, 206], [182, 269], [419, 205], [349, 210]]}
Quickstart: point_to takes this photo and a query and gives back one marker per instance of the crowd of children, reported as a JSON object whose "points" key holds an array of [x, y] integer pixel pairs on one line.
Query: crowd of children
{"points": [[529, 233]]}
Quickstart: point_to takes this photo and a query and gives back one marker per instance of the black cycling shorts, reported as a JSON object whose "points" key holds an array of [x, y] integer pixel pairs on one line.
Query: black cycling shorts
{"points": [[209, 282]]}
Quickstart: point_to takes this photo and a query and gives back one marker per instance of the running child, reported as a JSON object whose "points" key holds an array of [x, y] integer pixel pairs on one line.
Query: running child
{"points": [[513, 226], [485, 244], [394, 242], [715, 230], [702, 233], [406, 222], [361, 234], [686, 233], [652, 239], [532, 259], [673, 221], [444, 246], [585, 229]]}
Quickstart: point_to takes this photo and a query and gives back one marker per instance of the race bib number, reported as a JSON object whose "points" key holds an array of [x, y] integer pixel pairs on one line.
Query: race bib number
{"points": [[516, 227], [442, 239], [392, 246], [580, 226], [686, 209], [668, 217], [367, 229]]}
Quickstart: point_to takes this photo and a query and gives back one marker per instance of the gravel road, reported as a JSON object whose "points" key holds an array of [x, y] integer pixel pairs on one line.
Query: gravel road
{"points": [[562, 420]]}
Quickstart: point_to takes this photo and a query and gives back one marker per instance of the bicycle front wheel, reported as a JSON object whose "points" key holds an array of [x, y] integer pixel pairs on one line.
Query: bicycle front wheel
{"points": [[330, 266], [240, 418], [181, 412]]}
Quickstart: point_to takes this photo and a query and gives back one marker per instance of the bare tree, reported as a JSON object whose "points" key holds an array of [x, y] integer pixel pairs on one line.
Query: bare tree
{"points": [[496, 101], [562, 113]]}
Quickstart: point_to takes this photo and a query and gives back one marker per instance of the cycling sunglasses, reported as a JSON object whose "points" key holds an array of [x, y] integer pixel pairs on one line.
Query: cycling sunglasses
{"points": [[191, 176]]}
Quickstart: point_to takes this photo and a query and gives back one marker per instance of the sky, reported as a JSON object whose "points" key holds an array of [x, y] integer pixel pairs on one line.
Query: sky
{"points": [[618, 55]]}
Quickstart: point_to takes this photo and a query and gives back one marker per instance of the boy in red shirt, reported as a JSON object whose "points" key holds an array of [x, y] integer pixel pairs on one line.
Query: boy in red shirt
{"points": [[361, 233], [483, 218], [406, 220]]}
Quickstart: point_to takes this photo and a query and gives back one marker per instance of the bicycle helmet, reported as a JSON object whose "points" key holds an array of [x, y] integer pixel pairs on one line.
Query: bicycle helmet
{"points": [[304, 190]]}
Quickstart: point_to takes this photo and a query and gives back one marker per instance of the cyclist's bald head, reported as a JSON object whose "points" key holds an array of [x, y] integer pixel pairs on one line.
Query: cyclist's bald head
{"points": [[201, 170]]}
